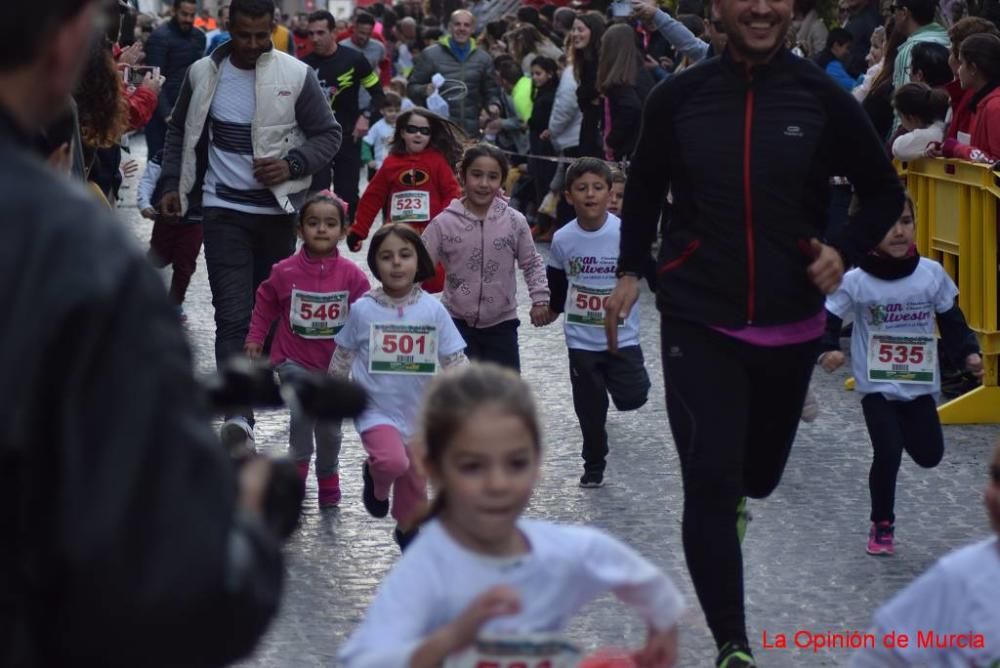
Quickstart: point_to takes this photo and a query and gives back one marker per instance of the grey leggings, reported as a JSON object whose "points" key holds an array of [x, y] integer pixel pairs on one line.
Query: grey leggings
{"points": [[303, 427]]}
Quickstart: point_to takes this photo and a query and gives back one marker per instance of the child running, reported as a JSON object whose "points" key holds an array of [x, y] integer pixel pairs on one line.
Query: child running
{"points": [[893, 296], [954, 604], [416, 181], [309, 294], [479, 570], [581, 273], [479, 239], [175, 242], [393, 342], [375, 145], [617, 191]]}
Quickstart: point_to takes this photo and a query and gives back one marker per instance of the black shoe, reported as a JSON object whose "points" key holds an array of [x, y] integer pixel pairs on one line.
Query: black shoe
{"points": [[404, 538], [374, 507], [735, 655], [592, 479]]}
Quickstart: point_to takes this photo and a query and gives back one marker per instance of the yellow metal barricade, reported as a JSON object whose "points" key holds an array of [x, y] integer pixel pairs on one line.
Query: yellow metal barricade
{"points": [[957, 226]]}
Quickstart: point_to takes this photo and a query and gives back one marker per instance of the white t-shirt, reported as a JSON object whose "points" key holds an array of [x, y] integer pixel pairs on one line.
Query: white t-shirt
{"points": [[590, 260], [229, 181], [394, 398], [379, 137], [959, 595], [901, 307], [568, 566]]}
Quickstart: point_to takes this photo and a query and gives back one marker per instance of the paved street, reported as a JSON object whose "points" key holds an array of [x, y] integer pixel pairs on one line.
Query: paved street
{"points": [[806, 568]]}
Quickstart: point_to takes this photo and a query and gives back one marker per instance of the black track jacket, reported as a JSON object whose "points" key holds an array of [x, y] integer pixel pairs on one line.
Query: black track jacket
{"points": [[748, 156]]}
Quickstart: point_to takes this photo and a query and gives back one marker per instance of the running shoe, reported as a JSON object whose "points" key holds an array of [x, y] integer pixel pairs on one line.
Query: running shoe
{"points": [[591, 480], [404, 538], [880, 538], [735, 655], [743, 517], [237, 437], [375, 507], [329, 491]]}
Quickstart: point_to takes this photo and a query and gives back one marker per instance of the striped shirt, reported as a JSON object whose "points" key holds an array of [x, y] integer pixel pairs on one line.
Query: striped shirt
{"points": [[229, 181]]}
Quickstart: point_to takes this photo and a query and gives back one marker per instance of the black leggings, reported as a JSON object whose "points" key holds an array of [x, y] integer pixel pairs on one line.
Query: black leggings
{"points": [[734, 409], [895, 426]]}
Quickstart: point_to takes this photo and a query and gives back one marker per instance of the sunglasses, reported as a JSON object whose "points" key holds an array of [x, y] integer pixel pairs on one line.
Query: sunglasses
{"points": [[424, 130], [995, 474]]}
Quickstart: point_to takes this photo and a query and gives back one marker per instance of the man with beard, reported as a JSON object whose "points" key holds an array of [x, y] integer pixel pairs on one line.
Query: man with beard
{"points": [[746, 142]]}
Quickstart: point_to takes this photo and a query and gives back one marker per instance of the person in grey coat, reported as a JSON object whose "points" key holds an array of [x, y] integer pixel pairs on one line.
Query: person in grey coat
{"points": [[457, 59]]}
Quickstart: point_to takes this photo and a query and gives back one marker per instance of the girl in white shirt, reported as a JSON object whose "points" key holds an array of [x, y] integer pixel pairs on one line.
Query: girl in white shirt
{"points": [[395, 339], [480, 578], [895, 297], [922, 111]]}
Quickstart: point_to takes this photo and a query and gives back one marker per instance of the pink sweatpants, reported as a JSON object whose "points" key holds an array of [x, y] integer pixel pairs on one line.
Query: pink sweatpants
{"points": [[391, 466]]}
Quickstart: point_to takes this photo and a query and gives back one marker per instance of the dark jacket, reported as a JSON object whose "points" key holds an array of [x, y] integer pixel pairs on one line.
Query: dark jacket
{"points": [[625, 109], [861, 26], [122, 544], [589, 100], [476, 72], [749, 159], [173, 52]]}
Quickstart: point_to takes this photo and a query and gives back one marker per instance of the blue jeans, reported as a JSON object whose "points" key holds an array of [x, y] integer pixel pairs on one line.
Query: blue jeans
{"points": [[240, 249]]}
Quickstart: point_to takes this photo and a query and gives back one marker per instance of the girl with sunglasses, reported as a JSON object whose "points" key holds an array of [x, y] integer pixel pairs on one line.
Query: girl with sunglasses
{"points": [[416, 182]]}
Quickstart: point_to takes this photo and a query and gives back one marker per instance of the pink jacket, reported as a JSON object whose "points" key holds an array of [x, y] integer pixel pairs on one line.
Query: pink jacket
{"points": [[274, 302], [478, 258]]}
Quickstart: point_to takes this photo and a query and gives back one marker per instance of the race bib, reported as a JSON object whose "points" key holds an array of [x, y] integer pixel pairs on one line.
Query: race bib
{"points": [[902, 358], [530, 651], [410, 206], [586, 306], [318, 315], [409, 349]]}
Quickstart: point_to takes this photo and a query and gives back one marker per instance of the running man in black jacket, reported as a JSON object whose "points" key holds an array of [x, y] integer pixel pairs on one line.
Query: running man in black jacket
{"points": [[125, 537], [746, 142]]}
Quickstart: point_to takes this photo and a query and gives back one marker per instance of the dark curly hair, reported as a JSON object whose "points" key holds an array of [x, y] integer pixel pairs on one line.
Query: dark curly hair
{"points": [[102, 107]]}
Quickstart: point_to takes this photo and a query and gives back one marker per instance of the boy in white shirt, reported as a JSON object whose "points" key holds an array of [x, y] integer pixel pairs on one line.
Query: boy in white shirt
{"points": [[581, 275], [375, 145]]}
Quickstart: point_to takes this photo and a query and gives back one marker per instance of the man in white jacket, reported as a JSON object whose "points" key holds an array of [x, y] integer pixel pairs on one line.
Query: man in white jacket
{"points": [[250, 127]]}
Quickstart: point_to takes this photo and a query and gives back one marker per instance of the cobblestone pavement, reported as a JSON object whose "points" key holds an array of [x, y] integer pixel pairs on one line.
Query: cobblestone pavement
{"points": [[806, 568]]}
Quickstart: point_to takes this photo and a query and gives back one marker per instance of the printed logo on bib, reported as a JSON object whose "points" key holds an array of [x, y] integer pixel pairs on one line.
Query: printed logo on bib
{"points": [[409, 349], [530, 651], [902, 358], [588, 306], [318, 315], [410, 206]]}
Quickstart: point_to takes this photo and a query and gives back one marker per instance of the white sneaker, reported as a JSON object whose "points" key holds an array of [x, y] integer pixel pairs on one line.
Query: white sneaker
{"points": [[237, 437], [810, 409]]}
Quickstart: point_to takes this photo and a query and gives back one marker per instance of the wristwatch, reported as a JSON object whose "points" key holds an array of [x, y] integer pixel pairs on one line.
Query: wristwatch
{"points": [[621, 272], [295, 166]]}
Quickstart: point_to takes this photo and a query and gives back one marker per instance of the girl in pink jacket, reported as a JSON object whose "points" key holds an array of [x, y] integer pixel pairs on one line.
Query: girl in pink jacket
{"points": [[479, 239], [309, 294]]}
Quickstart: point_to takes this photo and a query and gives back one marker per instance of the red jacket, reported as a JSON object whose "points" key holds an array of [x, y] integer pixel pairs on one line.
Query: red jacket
{"points": [[961, 115], [141, 105], [985, 131], [426, 172]]}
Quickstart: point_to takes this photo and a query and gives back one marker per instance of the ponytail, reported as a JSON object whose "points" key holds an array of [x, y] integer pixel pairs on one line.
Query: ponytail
{"points": [[919, 100]]}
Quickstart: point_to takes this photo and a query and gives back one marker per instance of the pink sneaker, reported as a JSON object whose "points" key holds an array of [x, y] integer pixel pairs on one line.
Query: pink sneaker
{"points": [[329, 491], [303, 468], [880, 539]]}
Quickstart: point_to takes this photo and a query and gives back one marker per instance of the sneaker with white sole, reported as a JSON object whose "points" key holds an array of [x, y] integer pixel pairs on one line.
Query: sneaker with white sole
{"points": [[237, 437], [880, 539], [592, 479]]}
